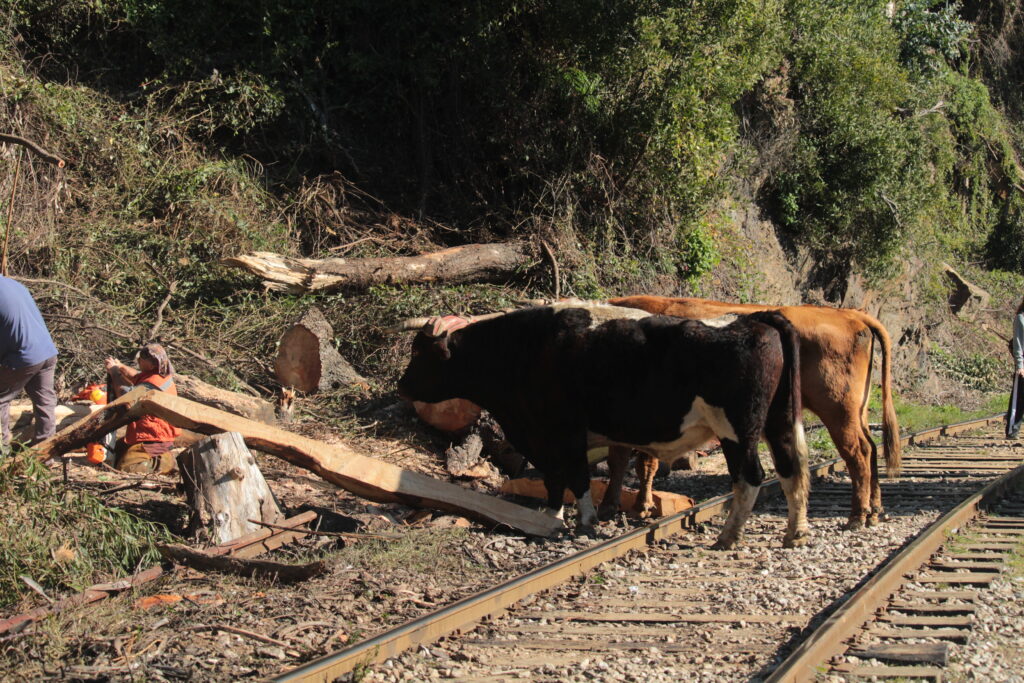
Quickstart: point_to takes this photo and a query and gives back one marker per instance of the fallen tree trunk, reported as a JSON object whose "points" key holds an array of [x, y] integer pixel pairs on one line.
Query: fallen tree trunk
{"points": [[469, 263], [199, 391], [363, 476], [665, 503]]}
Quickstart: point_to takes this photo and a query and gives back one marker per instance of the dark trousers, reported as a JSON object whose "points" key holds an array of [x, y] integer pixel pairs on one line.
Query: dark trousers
{"points": [[37, 381], [1015, 412]]}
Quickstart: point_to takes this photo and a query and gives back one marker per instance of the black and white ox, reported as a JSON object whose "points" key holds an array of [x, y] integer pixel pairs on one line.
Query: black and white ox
{"points": [[559, 383]]}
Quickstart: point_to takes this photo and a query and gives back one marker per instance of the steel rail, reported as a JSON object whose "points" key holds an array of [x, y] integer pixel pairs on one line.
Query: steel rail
{"points": [[828, 638], [446, 620]]}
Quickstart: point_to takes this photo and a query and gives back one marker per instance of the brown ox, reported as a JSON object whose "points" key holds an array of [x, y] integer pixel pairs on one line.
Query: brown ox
{"points": [[835, 365]]}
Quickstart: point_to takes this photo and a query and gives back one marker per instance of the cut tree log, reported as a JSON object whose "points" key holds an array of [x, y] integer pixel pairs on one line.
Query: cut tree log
{"points": [[664, 503], [307, 360], [265, 569], [338, 464], [225, 488], [252, 407], [469, 263]]}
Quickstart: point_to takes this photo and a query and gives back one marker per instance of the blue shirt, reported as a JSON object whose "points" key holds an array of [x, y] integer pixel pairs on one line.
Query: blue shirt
{"points": [[24, 339]]}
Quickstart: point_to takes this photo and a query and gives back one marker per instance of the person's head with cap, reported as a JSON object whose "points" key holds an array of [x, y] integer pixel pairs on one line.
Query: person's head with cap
{"points": [[153, 358]]}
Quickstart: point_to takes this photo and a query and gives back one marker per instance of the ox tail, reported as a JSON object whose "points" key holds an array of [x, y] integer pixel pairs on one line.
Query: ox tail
{"points": [[890, 426], [787, 404]]}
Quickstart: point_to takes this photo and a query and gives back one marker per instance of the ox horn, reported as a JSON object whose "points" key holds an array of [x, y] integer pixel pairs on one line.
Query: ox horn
{"points": [[408, 325], [418, 323], [487, 316]]}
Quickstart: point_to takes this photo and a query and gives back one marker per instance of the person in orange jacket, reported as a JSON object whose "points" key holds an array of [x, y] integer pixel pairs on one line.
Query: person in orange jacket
{"points": [[148, 441]]}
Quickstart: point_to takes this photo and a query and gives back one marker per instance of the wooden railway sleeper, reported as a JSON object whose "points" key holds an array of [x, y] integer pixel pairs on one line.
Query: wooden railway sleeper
{"points": [[880, 648]]}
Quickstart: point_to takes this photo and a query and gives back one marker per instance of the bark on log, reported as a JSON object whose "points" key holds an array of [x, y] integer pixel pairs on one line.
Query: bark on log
{"points": [[265, 569], [464, 460], [366, 477], [469, 263], [240, 404], [307, 360], [225, 488]]}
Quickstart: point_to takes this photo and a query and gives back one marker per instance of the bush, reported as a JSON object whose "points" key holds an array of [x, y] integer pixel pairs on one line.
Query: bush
{"points": [[853, 166]]}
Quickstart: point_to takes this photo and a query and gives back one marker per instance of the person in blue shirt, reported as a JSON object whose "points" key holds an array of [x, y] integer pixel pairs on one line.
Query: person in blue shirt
{"points": [[27, 360], [1015, 413]]}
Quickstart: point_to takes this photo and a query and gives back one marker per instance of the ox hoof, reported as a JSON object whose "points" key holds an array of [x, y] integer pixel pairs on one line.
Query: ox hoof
{"points": [[587, 530], [853, 524], [645, 512], [606, 513], [725, 544], [797, 541]]}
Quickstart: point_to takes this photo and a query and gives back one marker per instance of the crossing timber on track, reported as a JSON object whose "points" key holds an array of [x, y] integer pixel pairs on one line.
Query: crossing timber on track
{"points": [[658, 603]]}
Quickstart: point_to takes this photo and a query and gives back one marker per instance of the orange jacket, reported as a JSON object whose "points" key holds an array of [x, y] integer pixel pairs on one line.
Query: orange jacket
{"points": [[148, 428]]}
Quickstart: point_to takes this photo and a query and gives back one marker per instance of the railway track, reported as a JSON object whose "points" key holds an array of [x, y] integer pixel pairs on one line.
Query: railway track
{"points": [[656, 603]]}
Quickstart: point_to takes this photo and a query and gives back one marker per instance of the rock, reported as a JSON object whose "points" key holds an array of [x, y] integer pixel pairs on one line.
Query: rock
{"points": [[272, 651], [965, 298], [449, 521]]}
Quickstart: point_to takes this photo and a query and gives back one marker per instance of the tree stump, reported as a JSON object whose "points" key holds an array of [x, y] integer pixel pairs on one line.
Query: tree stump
{"points": [[307, 360], [225, 488]]}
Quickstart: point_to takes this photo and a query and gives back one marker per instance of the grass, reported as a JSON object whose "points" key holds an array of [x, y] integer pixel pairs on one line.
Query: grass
{"points": [[914, 417], [65, 540]]}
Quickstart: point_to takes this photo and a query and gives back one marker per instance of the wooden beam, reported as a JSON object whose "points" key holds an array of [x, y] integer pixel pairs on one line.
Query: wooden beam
{"points": [[336, 463]]}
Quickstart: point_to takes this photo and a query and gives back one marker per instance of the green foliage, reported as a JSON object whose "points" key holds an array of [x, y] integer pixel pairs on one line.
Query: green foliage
{"points": [[932, 34], [64, 539], [854, 164], [698, 255], [974, 370]]}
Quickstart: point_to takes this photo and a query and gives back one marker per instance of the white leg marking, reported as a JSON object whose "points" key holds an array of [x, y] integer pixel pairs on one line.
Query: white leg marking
{"points": [[743, 497], [558, 513], [587, 513], [797, 529], [797, 490]]}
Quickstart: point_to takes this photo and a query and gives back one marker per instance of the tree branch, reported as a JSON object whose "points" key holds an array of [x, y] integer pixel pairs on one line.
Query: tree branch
{"points": [[39, 151]]}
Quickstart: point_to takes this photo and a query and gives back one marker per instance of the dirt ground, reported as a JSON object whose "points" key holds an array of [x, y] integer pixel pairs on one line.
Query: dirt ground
{"points": [[194, 625]]}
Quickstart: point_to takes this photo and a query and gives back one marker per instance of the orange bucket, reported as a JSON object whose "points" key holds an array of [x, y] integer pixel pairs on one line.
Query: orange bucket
{"points": [[95, 453]]}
